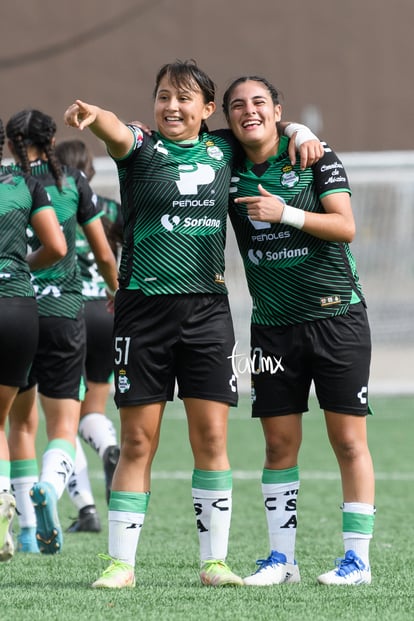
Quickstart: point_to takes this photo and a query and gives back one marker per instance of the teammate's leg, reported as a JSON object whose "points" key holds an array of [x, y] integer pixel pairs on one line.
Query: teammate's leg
{"points": [[348, 436], [7, 501], [97, 429], [23, 426], [140, 431], [211, 487], [80, 492], [280, 488]]}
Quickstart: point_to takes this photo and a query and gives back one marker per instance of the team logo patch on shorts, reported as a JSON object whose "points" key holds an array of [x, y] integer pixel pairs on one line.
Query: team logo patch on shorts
{"points": [[123, 382]]}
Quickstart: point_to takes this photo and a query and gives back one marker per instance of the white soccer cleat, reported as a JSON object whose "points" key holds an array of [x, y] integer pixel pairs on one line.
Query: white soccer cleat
{"points": [[350, 570], [273, 570], [7, 510]]}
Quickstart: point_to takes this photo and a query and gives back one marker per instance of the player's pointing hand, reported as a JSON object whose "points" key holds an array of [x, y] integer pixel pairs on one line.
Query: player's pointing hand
{"points": [[266, 207], [80, 114]]}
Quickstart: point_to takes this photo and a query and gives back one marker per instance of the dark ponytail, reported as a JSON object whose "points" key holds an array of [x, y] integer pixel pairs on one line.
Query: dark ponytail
{"points": [[32, 127]]}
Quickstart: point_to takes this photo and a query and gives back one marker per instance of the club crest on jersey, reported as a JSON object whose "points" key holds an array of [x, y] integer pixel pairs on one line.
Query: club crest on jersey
{"points": [[289, 177], [214, 151], [123, 382]]}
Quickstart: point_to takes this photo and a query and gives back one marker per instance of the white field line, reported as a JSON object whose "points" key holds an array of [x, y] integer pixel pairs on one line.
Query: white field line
{"points": [[248, 475]]}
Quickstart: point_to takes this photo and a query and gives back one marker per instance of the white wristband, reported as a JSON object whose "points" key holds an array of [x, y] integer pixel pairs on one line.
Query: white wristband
{"points": [[293, 217], [111, 292], [303, 133]]}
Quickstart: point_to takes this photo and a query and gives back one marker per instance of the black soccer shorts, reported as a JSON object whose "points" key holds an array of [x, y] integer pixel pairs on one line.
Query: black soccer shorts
{"points": [[59, 365], [334, 353], [19, 333], [163, 339], [99, 327]]}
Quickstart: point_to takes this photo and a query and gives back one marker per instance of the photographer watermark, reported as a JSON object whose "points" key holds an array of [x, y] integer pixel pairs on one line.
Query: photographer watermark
{"points": [[255, 363]]}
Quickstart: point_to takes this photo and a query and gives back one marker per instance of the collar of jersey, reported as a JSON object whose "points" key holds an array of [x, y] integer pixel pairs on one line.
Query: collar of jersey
{"points": [[283, 145], [180, 143]]}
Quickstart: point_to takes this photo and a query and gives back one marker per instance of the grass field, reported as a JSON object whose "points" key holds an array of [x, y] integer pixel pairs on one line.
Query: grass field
{"points": [[39, 587]]}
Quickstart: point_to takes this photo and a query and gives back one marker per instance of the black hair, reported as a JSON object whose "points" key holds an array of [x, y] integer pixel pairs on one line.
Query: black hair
{"points": [[76, 154], [274, 93], [32, 127], [2, 136], [187, 74]]}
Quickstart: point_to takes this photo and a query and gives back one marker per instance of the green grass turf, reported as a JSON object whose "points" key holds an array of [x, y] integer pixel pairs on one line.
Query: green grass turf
{"points": [[38, 587]]}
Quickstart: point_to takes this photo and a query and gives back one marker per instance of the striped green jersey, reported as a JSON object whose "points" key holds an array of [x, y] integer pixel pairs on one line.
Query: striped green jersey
{"points": [[293, 276], [59, 287], [174, 204], [93, 284], [21, 196]]}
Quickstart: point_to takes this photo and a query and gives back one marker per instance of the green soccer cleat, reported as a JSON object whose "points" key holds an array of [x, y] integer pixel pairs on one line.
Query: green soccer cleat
{"points": [[118, 575], [48, 529], [217, 573], [7, 510]]}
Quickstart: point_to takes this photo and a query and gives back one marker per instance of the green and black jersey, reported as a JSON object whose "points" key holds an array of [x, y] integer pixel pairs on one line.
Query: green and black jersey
{"points": [[20, 197], [293, 276], [174, 200], [59, 287], [93, 284]]}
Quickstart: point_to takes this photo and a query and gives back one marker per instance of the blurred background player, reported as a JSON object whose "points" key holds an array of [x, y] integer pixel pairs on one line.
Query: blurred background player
{"points": [[94, 427], [23, 200], [58, 370]]}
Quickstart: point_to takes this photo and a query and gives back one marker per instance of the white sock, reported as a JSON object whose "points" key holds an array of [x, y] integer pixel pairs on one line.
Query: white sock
{"points": [[213, 510], [98, 431], [281, 515], [24, 474], [125, 520], [124, 531], [57, 466], [25, 512], [360, 517], [79, 486]]}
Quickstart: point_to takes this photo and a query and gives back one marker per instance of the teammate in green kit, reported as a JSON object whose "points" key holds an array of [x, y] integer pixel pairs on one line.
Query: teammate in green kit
{"points": [[95, 427], [23, 201], [57, 372], [308, 323]]}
